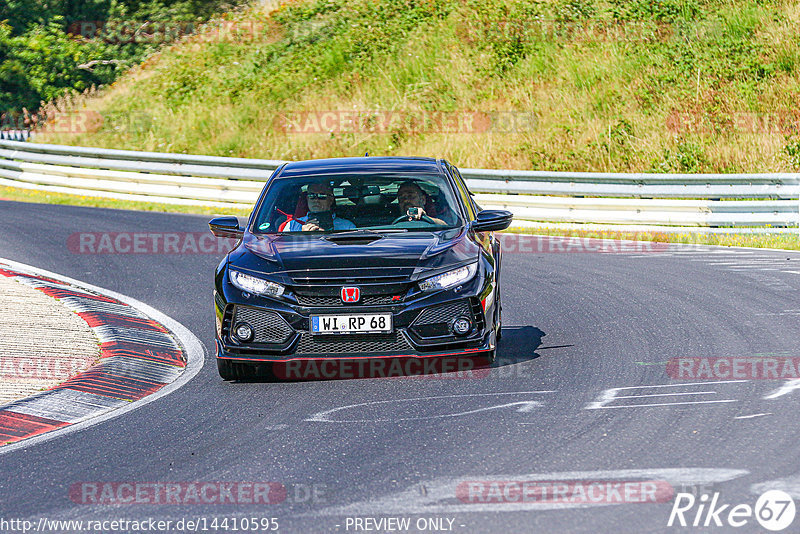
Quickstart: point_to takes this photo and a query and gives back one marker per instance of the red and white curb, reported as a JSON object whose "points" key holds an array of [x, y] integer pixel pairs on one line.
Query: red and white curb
{"points": [[144, 355]]}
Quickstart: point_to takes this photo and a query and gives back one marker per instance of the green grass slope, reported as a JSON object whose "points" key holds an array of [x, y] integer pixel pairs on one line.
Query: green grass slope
{"points": [[607, 85]]}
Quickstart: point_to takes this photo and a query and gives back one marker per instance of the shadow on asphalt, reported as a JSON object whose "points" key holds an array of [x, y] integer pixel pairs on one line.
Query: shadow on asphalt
{"points": [[518, 345]]}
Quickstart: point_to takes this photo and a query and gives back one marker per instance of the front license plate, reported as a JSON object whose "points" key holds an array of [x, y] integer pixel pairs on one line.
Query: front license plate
{"points": [[348, 324]]}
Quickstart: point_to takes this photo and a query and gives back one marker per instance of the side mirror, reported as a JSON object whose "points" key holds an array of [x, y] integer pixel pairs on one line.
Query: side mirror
{"points": [[226, 227], [492, 220]]}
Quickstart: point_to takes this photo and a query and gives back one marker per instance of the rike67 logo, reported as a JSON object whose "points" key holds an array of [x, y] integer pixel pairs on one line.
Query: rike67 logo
{"points": [[774, 510]]}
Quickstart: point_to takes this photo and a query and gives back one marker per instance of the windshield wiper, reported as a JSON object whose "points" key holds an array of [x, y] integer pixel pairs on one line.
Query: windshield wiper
{"points": [[370, 231]]}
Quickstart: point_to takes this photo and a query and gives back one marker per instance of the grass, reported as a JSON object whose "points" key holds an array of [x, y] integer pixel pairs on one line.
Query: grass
{"points": [[786, 241], [778, 241], [577, 85], [46, 197], [567, 85]]}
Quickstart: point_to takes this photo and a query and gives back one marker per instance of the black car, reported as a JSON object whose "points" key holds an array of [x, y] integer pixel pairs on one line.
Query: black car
{"points": [[353, 258]]}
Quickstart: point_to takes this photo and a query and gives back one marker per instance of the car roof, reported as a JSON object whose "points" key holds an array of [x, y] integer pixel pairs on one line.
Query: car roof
{"points": [[365, 165]]}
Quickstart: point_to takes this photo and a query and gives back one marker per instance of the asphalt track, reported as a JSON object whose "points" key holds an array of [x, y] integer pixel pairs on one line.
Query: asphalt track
{"points": [[576, 325]]}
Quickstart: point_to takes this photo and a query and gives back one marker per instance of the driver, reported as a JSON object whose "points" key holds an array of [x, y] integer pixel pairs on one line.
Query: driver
{"points": [[320, 200], [410, 195]]}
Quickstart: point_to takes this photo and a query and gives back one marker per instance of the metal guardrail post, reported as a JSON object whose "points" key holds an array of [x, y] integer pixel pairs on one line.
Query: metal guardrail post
{"points": [[15, 135]]}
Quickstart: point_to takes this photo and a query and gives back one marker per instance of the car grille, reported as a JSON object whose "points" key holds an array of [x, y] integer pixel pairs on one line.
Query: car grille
{"points": [[366, 300], [352, 343], [444, 313], [335, 277], [269, 326], [323, 288]]}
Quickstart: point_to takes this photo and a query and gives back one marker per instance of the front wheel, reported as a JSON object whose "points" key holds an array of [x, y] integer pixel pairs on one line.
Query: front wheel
{"points": [[499, 314]]}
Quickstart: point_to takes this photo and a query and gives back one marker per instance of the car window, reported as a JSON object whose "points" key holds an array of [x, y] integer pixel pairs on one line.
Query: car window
{"points": [[466, 198], [331, 203]]}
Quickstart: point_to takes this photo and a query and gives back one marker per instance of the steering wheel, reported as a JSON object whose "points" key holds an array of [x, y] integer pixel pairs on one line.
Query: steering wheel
{"points": [[405, 218]]}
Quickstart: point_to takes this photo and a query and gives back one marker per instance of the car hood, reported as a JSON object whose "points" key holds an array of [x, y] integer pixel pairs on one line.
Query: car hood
{"points": [[414, 251]]}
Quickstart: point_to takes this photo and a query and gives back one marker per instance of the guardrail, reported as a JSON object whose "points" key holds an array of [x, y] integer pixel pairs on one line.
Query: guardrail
{"points": [[15, 135], [752, 201]]}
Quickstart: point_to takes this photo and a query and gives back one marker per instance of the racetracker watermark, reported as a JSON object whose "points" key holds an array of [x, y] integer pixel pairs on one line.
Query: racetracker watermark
{"points": [[441, 368], [45, 368], [610, 243], [75, 121], [537, 28], [188, 493], [533, 27], [158, 32], [739, 367], [148, 243], [564, 491], [781, 122], [149, 525], [415, 121]]}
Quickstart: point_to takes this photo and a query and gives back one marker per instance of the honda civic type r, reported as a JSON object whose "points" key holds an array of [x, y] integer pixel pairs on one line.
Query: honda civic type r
{"points": [[359, 258]]}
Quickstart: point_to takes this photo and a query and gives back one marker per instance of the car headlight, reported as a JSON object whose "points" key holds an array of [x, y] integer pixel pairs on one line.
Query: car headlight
{"points": [[252, 284], [450, 278]]}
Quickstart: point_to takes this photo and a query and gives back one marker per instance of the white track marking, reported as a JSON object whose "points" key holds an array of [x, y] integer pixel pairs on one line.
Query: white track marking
{"points": [[790, 485], [610, 395], [440, 495], [752, 416], [665, 395], [662, 404], [525, 407], [195, 354], [786, 388]]}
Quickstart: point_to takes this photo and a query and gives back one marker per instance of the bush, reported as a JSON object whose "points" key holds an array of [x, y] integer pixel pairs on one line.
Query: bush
{"points": [[687, 157], [40, 60], [44, 63], [792, 150]]}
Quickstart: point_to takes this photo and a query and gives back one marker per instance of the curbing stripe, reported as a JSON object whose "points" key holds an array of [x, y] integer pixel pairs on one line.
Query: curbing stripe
{"points": [[65, 405], [94, 319], [154, 338], [14, 426], [144, 355], [32, 282], [83, 305], [6, 272], [172, 357], [115, 387], [139, 368]]}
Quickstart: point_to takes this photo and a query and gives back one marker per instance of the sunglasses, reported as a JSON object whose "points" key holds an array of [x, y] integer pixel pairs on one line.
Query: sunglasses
{"points": [[318, 196]]}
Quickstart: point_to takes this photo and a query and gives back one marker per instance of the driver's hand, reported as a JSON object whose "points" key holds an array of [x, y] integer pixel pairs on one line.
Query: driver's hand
{"points": [[415, 213], [311, 226]]}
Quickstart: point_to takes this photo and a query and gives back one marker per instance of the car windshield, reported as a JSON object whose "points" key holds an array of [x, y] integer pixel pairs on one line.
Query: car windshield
{"points": [[341, 203]]}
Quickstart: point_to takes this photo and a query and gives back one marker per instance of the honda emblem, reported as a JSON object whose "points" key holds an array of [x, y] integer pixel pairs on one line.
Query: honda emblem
{"points": [[351, 294]]}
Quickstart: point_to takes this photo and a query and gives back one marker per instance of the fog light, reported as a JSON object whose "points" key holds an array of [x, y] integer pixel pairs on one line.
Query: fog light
{"points": [[243, 332], [462, 325]]}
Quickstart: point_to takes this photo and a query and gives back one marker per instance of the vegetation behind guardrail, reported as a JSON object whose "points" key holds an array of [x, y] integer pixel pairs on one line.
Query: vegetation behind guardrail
{"points": [[697, 86]]}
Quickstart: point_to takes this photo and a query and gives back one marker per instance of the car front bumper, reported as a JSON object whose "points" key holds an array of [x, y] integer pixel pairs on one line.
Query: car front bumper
{"points": [[421, 328]]}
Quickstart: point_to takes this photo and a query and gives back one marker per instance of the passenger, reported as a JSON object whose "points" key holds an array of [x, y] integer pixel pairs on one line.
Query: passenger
{"points": [[410, 195], [320, 216]]}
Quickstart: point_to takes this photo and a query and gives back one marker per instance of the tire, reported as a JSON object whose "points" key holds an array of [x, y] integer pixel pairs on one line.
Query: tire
{"points": [[499, 318], [490, 356], [229, 370], [225, 369]]}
